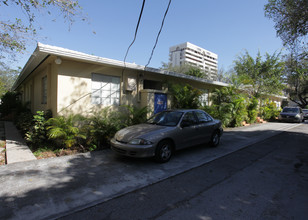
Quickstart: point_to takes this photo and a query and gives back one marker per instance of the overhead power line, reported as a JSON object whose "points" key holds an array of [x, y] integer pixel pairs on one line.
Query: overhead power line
{"points": [[136, 31], [161, 27]]}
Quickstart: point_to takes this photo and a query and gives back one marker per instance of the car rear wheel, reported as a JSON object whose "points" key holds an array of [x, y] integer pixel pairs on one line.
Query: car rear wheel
{"points": [[163, 151], [215, 139]]}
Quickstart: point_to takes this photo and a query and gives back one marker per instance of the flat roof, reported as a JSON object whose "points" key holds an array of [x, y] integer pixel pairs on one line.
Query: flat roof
{"points": [[43, 51]]}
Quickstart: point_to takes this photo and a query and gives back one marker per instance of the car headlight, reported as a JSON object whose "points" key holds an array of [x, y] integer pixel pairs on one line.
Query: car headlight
{"points": [[139, 141], [297, 116]]}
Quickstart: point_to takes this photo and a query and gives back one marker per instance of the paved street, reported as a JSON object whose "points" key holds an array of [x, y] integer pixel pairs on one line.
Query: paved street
{"points": [[58, 187], [267, 180]]}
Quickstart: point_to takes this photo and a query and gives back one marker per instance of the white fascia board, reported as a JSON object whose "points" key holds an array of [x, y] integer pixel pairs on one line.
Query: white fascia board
{"points": [[35, 59], [42, 51], [62, 52]]}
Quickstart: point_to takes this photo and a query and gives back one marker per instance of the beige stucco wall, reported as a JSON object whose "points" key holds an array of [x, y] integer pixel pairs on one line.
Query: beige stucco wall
{"points": [[74, 87], [69, 86], [31, 88]]}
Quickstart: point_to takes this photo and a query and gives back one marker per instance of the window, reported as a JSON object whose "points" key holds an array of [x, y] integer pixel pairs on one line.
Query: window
{"points": [[189, 118], [203, 117], [150, 84], [204, 98], [105, 90], [44, 90]]}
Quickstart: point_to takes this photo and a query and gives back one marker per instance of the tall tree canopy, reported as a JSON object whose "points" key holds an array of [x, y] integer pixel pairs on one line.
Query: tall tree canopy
{"points": [[291, 20], [14, 33], [297, 79], [260, 76], [185, 69], [7, 79], [291, 24]]}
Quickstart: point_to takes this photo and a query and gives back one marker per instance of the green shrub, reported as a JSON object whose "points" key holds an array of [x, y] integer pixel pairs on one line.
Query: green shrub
{"points": [[228, 106], [269, 111], [37, 130], [65, 131], [132, 115], [239, 111], [185, 96], [24, 121], [101, 127], [10, 104], [252, 110]]}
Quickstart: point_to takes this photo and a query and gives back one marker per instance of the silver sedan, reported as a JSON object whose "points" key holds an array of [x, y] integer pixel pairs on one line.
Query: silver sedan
{"points": [[166, 132]]}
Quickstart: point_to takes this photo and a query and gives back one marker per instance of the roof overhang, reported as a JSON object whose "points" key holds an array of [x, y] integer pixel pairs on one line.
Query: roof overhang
{"points": [[43, 51]]}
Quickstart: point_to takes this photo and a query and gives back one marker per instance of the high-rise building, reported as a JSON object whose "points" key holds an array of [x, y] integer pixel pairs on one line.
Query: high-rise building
{"points": [[188, 53]]}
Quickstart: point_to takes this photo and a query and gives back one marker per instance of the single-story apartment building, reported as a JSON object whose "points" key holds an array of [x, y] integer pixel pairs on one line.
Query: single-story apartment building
{"points": [[66, 81]]}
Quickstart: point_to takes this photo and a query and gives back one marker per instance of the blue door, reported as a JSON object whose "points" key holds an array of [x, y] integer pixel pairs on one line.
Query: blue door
{"points": [[160, 102]]}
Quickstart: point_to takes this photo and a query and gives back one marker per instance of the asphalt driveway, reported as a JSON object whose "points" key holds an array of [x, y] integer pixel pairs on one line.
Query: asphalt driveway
{"points": [[54, 187]]}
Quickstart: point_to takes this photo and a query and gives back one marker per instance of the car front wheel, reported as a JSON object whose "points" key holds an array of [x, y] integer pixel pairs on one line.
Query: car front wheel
{"points": [[163, 151], [215, 139]]}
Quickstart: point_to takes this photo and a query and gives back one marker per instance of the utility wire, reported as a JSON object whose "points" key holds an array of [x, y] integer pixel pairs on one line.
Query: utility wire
{"points": [[140, 15], [161, 27]]}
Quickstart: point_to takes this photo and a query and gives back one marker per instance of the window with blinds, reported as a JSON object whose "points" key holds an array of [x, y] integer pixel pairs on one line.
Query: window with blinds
{"points": [[105, 90]]}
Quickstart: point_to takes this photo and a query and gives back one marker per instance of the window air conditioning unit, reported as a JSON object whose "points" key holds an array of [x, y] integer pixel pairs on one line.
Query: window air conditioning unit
{"points": [[131, 84]]}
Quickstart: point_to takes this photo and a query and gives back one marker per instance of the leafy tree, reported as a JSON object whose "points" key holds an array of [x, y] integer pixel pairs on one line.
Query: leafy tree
{"points": [[260, 76], [185, 69], [223, 76], [7, 79], [291, 19], [185, 96], [297, 79], [291, 24], [193, 71], [14, 34]]}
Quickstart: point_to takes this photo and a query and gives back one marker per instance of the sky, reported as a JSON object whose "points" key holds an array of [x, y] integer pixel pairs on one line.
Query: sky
{"points": [[227, 28]]}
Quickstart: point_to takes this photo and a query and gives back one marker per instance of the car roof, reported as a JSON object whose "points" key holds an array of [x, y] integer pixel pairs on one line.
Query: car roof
{"points": [[292, 107], [182, 110]]}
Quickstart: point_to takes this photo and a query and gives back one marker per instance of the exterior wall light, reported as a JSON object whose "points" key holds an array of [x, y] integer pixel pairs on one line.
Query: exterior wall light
{"points": [[58, 61]]}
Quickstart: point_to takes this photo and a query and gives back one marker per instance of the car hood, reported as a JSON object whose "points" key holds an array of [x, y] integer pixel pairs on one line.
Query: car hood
{"points": [[137, 131]]}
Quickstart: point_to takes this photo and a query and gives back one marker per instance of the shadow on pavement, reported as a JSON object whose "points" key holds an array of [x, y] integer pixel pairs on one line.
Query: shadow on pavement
{"points": [[54, 187]]}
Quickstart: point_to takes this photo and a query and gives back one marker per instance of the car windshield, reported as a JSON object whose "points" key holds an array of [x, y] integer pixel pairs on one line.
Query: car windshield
{"points": [[167, 118], [291, 110], [305, 110]]}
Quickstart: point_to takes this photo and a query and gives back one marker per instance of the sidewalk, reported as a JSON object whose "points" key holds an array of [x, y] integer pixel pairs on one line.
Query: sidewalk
{"points": [[16, 147], [54, 187]]}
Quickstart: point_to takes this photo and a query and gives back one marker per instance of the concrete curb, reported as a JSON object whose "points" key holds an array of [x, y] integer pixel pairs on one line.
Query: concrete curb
{"points": [[16, 147]]}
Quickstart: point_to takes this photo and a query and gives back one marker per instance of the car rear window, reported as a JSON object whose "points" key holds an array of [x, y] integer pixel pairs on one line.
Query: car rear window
{"points": [[291, 110]]}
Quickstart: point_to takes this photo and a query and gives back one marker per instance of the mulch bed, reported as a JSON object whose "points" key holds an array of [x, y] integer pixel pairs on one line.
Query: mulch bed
{"points": [[2, 152], [62, 152]]}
